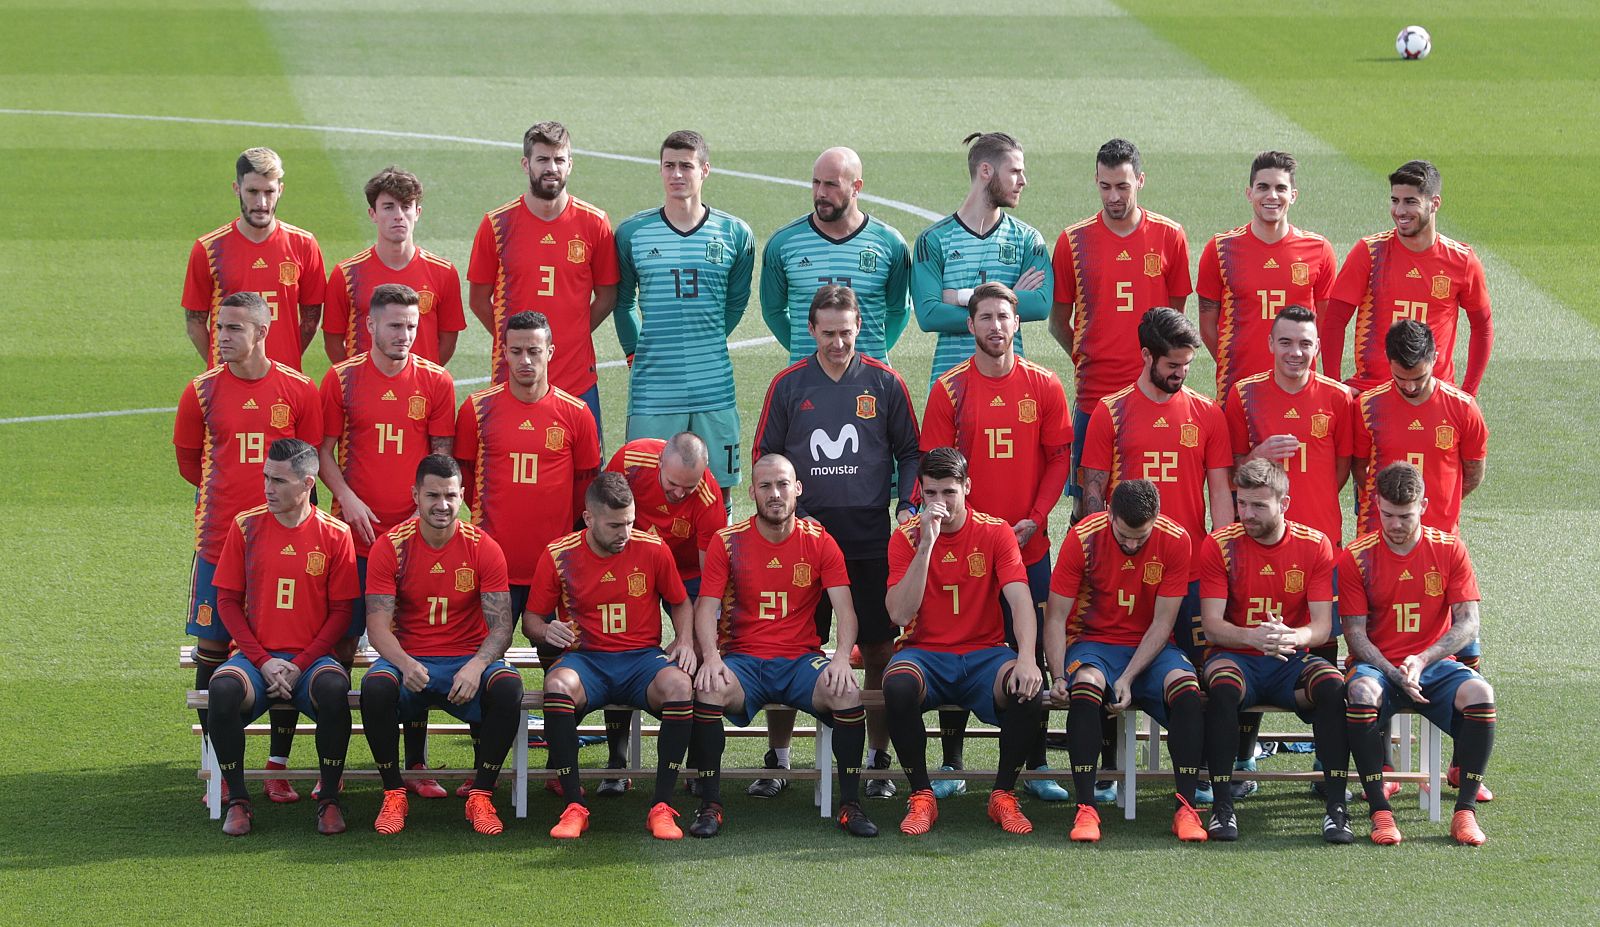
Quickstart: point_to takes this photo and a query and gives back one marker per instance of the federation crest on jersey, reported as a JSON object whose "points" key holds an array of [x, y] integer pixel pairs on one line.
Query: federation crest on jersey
{"points": [[1300, 273], [867, 261], [555, 438], [1189, 435], [680, 527], [1319, 425], [417, 408], [866, 406], [1441, 287], [1006, 252], [1152, 264], [716, 252], [1027, 411], [802, 575], [425, 300], [316, 563], [637, 584], [1294, 581], [1433, 583], [466, 579], [280, 415], [977, 563], [1153, 572], [577, 251], [288, 273], [1444, 437]]}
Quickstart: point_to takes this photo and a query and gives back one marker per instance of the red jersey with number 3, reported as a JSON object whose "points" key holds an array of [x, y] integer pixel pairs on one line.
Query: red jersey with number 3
{"points": [[232, 422], [438, 610], [350, 287], [549, 267], [615, 601], [1251, 281], [1406, 598], [1111, 281], [960, 609], [1260, 580], [286, 270], [1322, 417], [770, 591], [524, 458], [382, 426], [1114, 594], [288, 575], [1437, 437], [688, 526]]}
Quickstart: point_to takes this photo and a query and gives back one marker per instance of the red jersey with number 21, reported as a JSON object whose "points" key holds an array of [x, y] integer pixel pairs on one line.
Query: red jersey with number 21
{"points": [[770, 591]]}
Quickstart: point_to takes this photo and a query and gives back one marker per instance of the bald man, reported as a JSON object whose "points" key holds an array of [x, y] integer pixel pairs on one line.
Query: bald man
{"points": [[836, 244]]}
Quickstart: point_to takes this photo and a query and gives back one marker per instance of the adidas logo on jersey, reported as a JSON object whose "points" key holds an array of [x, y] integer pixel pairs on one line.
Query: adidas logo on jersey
{"points": [[1405, 575], [805, 262], [1161, 423], [288, 550], [1416, 425], [653, 252], [1124, 256], [1413, 274], [437, 569], [806, 406], [259, 265], [996, 403], [608, 578], [1292, 413], [1127, 564], [954, 255], [948, 557], [774, 564], [1270, 265], [548, 239], [1266, 570], [250, 404], [388, 395], [525, 426]]}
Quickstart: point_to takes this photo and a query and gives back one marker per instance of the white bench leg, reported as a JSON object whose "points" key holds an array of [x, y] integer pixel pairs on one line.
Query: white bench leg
{"points": [[635, 738], [208, 761], [1432, 754], [1128, 795], [824, 790], [519, 765], [1405, 743]]}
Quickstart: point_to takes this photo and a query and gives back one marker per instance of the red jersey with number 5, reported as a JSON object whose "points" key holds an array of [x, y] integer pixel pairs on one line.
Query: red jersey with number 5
{"points": [[1114, 594], [1406, 598], [770, 591], [438, 609], [615, 601], [1259, 580], [286, 270]]}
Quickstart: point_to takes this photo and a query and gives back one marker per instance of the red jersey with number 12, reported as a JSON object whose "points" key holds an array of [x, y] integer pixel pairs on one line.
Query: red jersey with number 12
{"points": [[770, 591]]}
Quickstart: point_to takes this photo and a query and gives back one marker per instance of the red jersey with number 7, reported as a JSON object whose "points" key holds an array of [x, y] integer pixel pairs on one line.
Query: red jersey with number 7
{"points": [[960, 609]]}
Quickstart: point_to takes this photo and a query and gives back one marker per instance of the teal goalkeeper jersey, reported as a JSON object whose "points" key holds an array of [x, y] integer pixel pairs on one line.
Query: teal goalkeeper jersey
{"points": [[873, 261], [950, 256], [692, 289]]}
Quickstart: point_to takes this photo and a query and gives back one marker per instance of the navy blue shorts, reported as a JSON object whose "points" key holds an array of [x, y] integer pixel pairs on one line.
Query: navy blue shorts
{"points": [[358, 612], [775, 681], [1039, 592], [1187, 632], [1439, 684], [204, 621], [441, 676], [1080, 428], [1270, 681], [965, 679], [1149, 690], [240, 665], [620, 677]]}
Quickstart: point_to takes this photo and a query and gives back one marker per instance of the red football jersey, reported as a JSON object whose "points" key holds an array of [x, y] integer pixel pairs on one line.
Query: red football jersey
{"points": [[1172, 444], [615, 601], [1114, 595], [960, 609], [288, 575], [524, 459], [1016, 433], [350, 287], [1111, 281], [687, 527], [769, 591], [1251, 281], [1322, 416], [550, 267], [383, 425], [1386, 282], [232, 422], [286, 270], [1406, 599], [1437, 437], [438, 609], [1283, 579]]}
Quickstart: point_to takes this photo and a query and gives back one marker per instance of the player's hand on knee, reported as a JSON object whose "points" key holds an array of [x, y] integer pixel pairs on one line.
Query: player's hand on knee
{"points": [[1025, 680], [682, 653], [464, 687], [713, 676], [837, 677], [415, 677], [1121, 695], [1060, 692]]}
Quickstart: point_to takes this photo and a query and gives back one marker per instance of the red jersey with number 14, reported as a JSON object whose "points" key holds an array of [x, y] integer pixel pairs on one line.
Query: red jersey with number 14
{"points": [[286, 270], [288, 575], [770, 591], [960, 609], [438, 610], [615, 601], [1322, 417], [1407, 598], [1113, 594], [350, 287], [1258, 580]]}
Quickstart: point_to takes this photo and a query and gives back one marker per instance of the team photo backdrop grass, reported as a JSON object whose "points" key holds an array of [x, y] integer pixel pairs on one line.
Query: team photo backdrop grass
{"points": [[99, 813]]}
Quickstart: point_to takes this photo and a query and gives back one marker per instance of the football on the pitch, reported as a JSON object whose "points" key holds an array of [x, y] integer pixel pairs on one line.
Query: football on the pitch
{"points": [[1413, 42]]}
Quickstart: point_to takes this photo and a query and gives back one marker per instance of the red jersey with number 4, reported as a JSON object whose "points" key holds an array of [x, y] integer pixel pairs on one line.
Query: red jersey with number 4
{"points": [[1386, 282], [1172, 444], [1251, 281], [350, 287], [687, 527], [770, 591], [1015, 432], [286, 270], [1322, 417], [1111, 281], [1407, 598], [1259, 580], [1113, 594], [288, 575], [1437, 437], [382, 426], [615, 601], [438, 610], [549, 267], [960, 609], [524, 459], [232, 422]]}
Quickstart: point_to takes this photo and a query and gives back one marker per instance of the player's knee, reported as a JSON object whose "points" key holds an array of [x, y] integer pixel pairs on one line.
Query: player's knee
{"points": [[901, 690], [226, 694], [1364, 691], [1089, 676], [674, 685], [1474, 692], [504, 689], [563, 682], [379, 688], [330, 689], [211, 653]]}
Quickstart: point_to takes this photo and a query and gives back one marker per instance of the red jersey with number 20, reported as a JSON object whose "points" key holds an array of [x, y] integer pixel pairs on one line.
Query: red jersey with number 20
{"points": [[1113, 594], [960, 609], [770, 591], [438, 610], [1407, 598], [615, 601]]}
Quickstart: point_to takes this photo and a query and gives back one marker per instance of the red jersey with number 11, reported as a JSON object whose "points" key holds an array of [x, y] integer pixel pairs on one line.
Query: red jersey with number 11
{"points": [[438, 610]]}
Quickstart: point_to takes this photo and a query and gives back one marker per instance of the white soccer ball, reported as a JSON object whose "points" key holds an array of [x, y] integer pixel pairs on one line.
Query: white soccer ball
{"points": [[1413, 42]]}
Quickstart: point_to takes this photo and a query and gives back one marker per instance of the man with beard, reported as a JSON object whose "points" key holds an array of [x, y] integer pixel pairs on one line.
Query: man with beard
{"points": [[755, 624], [1109, 270], [979, 243], [1409, 272], [1159, 430], [549, 252], [836, 245], [257, 253], [1008, 416]]}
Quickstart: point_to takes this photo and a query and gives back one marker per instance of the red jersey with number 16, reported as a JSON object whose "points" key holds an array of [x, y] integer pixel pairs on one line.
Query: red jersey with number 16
{"points": [[438, 610], [1258, 580], [770, 591], [286, 270], [960, 609], [1114, 594], [615, 600], [1406, 598]]}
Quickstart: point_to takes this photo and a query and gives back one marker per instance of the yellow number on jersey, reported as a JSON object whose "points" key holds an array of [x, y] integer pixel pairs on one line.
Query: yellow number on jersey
{"points": [[271, 298], [613, 617], [252, 446], [1415, 460], [1001, 447], [1406, 309], [547, 281], [1407, 617], [774, 605], [1161, 466], [1271, 302], [1259, 609], [955, 598], [438, 609], [1124, 296], [390, 434], [524, 467], [286, 592], [1127, 600]]}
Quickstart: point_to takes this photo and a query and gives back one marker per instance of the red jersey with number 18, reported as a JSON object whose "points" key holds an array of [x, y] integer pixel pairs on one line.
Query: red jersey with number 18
{"points": [[350, 287], [1114, 594], [615, 601], [960, 609], [1258, 580], [1407, 598], [288, 575], [286, 270], [438, 610], [770, 591]]}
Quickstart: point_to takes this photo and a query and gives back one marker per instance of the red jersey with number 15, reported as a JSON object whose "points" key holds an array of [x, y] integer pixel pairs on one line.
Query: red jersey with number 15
{"points": [[286, 270], [770, 591], [1258, 580], [615, 600], [960, 609], [1113, 594], [1322, 417], [350, 287], [1407, 598], [438, 610], [288, 575]]}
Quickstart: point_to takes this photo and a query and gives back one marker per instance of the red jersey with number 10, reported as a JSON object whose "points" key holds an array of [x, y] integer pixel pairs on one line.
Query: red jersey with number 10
{"points": [[1258, 580], [350, 289], [615, 601], [770, 591], [1407, 598], [438, 610], [286, 270], [1322, 417], [288, 575], [960, 609], [1114, 594]]}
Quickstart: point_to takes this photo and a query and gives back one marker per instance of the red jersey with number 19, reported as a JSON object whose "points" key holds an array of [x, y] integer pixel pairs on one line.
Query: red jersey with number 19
{"points": [[286, 270], [770, 591], [1114, 594], [288, 575], [383, 425], [688, 526], [438, 610], [1407, 598], [615, 601], [1258, 580], [960, 609], [1437, 437], [1322, 417], [232, 422], [350, 287]]}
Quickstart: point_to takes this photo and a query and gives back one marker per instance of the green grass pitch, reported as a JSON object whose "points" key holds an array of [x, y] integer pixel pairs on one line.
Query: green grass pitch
{"points": [[99, 820]]}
